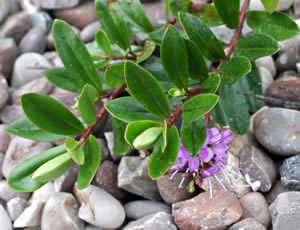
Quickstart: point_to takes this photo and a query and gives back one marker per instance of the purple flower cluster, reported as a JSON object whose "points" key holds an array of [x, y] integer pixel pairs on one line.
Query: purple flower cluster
{"points": [[211, 159]]}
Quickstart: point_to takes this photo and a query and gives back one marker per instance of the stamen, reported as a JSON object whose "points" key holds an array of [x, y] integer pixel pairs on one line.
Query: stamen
{"points": [[172, 176], [183, 178], [220, 182], [210, 188], [225, 175]]}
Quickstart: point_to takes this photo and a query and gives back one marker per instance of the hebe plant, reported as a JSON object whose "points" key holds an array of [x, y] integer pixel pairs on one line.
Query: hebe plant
{"points": [[145, 119]]}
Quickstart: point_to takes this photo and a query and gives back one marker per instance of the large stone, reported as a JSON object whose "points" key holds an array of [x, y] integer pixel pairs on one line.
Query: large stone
{"points": [[19, 150], [3, 92], [277, 130], [290, 173], [44, 193], [248, 224], [170, 191], [240, 142], [5, 222], [34, 41], [42, 86], [202, 212], [282, 5], [231, 178], [57, 4], [42, 20], [15, 207], [4, 139], [31, 217], [133, 177], [158, 221], [267, 62], [285, 211], [28, 67], [12, 113], [287, 60], [107, 179], [5, 9], [79, 16], [266, 77], [8, 54], [66, 182], [223, 33], [60, 213], [99, 208], [255, 205], [140, 208], [259, 166], [16, 26], [7, 193], [88, 33]]}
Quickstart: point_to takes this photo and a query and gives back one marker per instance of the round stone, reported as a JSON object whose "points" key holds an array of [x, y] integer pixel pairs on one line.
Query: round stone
{"points": [[57, 4], [3, 92], [42, 20], [290, 173], [34, 41], [8, 54]]}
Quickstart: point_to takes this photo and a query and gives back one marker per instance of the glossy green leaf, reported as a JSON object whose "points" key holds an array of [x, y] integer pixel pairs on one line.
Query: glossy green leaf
{"points": [[270, 5], [155, 67], [147, 52], [193, 135], [197, 67], [234, 69], [61, 78], [211, 84], [157, 36], [146, 90], [209, 15], [252, 83], [229, 11], [255, 46], [278, 25], [48, 114], [108, 24], [164, 136], [114, 75], [74, 54], [25, 129], [75, 150], [20, 177], [136, 15], [134, 129], [88, 170], [198, 106], [53, 168], [175, 92], [103, 42], [87, 101], [127, 109], [177, 6], [174, 58], [201, 35], [121, 147], [160, 162], [232, 108], [147, 138]]}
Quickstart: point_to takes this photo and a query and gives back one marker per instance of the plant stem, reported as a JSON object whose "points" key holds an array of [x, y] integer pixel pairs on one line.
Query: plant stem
{"points": [[99, 116]]}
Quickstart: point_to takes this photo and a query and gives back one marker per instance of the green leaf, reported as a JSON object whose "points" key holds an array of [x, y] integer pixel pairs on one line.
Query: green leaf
{"points": [[157, 36], [193, 136], [53, 168], [201, 35], [108, 23], [114, 75], [252, 83], [75, 150], [121, 147], [278, 25], [164, 136], [61, 78], [87, 101], [211, 84], [88, 170], [103, 42], [136, 15], [177, 6], [155, 67], [175, 92], [146, 90], [232, 108], [229, 11], [134, 129], [48, 114], [74, 54], [20, 177], [255, 46], [147, 138], [128, 109], [234, 69], [175, 58], [160, 162], [270, 5], [198, 106], [209, 15], [25, 129], [147, 52], [197, 67]]}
